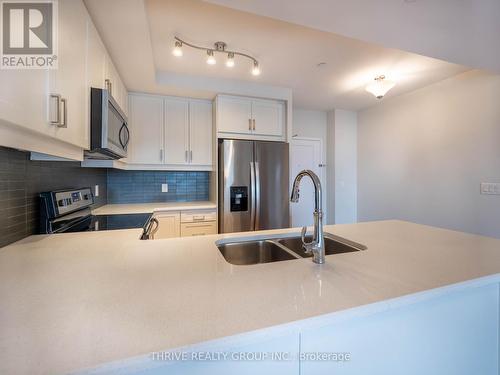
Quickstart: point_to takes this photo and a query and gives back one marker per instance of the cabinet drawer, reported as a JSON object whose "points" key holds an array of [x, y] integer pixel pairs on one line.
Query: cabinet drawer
{"points": [[198, 229], [198, 215]]}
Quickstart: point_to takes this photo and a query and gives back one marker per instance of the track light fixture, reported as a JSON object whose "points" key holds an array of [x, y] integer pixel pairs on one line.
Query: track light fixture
{"points": [[230, 60], [219, 47], [177, 51], [211, 58]]}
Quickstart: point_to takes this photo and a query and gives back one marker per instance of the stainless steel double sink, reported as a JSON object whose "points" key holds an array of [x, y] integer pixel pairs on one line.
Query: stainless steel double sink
{"points": [[277, 249]]}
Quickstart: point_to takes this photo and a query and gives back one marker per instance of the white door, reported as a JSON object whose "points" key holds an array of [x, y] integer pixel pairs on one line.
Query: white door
{"points": [[234, 115], [306, 153], [69, 79], [146, 130], [176, 131], [200, 132], [268, 117]]}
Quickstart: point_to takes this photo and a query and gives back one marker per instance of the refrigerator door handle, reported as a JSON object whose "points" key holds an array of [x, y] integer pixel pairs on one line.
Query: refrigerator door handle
{"points": [[257, 195], [252, 196]]}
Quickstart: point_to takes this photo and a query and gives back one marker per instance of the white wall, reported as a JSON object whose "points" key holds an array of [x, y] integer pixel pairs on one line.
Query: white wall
{"points": [[345, 150], [308, 123], [423, 155]]}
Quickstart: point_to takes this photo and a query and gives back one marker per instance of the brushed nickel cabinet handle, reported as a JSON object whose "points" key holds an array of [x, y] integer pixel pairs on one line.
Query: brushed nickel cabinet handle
{"points": [[253, 124], [191, 156], [161, 154], [250, 124], [64, 123], [109, 86], [57, 121]]}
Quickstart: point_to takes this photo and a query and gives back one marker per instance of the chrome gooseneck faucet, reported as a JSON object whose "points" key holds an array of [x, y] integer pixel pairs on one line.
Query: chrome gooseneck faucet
{"points": [[317, 245]]}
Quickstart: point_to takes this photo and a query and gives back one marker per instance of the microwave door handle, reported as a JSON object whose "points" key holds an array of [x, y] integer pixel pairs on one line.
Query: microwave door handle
{"points": [[127, 135], [120, 136]]}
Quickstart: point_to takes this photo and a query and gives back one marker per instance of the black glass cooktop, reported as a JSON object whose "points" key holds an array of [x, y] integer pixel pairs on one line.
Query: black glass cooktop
{"points": [[126, 221]]}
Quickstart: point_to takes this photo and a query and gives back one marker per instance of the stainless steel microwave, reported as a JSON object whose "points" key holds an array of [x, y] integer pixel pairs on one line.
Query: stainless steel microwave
{"points": [[109, 132]]}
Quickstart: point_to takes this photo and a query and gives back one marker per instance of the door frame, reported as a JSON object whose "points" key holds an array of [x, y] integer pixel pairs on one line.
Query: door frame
{"points": [[322, 176]]}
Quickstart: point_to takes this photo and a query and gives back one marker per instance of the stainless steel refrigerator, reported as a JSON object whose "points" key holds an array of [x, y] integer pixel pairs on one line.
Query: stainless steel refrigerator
{"points": [[253, 185]]}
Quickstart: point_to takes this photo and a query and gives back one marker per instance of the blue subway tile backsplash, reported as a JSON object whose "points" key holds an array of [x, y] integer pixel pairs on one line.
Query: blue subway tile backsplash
{"points": [[145, 186]]}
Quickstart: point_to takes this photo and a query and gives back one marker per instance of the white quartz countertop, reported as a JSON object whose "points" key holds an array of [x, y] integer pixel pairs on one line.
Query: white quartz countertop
{"points": [[74, 301], [146, 208]]}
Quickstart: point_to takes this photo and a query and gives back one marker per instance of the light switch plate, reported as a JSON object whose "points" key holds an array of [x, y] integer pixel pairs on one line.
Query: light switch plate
{"points": [[490, 188], [164, 188]]}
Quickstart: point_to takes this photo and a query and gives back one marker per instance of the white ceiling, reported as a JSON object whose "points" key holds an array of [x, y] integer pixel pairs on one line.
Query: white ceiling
{"points": [[288, 54], [464, 32]]}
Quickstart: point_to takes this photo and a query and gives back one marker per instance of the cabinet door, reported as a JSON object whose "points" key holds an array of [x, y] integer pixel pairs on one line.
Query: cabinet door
{"points": [[24, 99], [268, 116], [96, 58], [234, 115], [96, 66], [69, 79], [146, 130], [200, 132], [176, 131], [198, 229], [114, 84], [168, 225]]}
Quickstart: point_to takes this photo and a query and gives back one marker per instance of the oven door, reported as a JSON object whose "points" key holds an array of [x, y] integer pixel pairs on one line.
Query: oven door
{"points": [[115, 132]]}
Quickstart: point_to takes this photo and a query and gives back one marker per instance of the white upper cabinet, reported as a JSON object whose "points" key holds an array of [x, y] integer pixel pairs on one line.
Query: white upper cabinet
{"points": [[115, 86], [267, 117], [176, 131], [201, 133], [68, 80], [101, 72], [146, 130], [24, 97], [96, 58], [56, 102], [234, 114], [250, 118]]}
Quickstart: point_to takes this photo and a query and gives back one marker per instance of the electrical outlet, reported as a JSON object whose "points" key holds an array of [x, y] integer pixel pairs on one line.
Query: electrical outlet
{"points": [[96, 191], [490, 188], [164, 188]]}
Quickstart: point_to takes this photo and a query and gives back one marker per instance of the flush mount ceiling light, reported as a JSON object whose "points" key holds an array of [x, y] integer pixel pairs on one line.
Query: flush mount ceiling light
{"points": [[219, 47], [380, 86]]}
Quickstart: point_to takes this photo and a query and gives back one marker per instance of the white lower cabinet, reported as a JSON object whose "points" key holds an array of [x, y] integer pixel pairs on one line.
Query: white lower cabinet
{"points": [[451, 332], [198, 229], [169, 225], [185, 223]]}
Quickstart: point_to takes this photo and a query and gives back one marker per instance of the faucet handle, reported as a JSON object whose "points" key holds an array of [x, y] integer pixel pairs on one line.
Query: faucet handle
{"points": [[306, 245]]}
